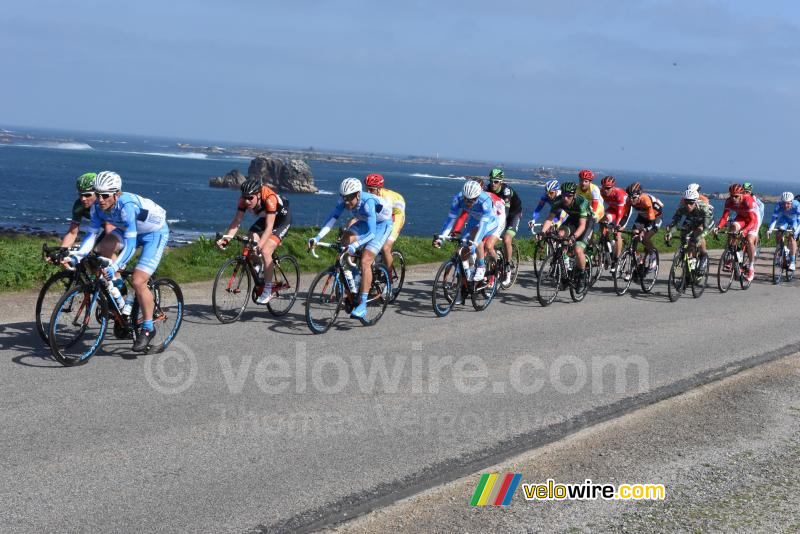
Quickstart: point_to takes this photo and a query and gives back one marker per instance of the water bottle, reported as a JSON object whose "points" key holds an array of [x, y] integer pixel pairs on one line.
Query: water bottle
{"points": [[739, 256], [351, 282], [692, 263], [115, 294], [357, 279], [609, 247], [126, 310], [786, 251]]}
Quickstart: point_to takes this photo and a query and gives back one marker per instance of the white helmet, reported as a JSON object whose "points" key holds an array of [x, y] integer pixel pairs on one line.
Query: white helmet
{"points": [[108, 182], [787, 196], [350, 186], [471, 190], [691, 194], [694, 187]]}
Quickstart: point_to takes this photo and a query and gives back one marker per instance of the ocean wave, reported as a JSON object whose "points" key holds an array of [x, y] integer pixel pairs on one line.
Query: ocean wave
{"points": [[422, 175], [185, 155], [173, 221], [324, 192], [59, 146]]}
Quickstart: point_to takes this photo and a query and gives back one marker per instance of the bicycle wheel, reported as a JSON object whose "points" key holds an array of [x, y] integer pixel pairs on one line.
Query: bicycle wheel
{"points": [[576, 295], [725, 270], [699, 281], [380, 292], [285, 282], [777, 264], [167, 313], [446, 288], [676, 283], [514, 268], [51, 292], [231, 290], [744, 283], [649, 272], [596, 254], [541, 251], [624, 273], [398, 273], [549, 281], [78, 324], [484, 291], [323, 301]]}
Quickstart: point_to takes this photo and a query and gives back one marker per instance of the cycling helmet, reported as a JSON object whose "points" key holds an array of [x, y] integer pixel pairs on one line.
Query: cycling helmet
{"points": [[496, 174], [691, 194], [736, 189], [374, 180], [552, 185], [85, 182], [586, 174], [250, 187], [748, 187], [569, 188], [608, 181], [350, 186], [471, 190], [695, 187], [108, 182], [634, 189], [787, 196]]}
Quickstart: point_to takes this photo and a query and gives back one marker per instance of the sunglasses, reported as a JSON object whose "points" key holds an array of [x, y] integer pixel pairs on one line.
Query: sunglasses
{"points": [[736, 197], [249, 197], [87, 195], [372, 189], [608, 187], [690, 202], [351, 196], [104, 196], [497, 181], [567, 195]]}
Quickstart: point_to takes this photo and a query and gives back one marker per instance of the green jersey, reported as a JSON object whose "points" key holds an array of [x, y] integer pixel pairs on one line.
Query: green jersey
{"points": [[579, 209], [79, 212]]}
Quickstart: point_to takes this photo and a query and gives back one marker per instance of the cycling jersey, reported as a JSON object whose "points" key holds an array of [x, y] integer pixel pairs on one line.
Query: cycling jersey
{"points": [[510, 197], [595, 200], [482, 214], [759, 210], [374, 221], [135, 219], [702, 214], [398, 204], [579, 209], [79, 212], [746, 214], [544, 200], [269, 202], [785, 219], [616, 199], [648, 206]]}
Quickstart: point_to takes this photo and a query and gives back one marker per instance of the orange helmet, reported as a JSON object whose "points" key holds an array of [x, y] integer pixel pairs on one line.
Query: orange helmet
{"points": [[634, 189]]}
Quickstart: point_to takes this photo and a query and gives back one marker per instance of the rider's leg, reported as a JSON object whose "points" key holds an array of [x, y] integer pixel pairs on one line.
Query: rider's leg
{"points": [[143, 294], [387, 254], [266, 258]]}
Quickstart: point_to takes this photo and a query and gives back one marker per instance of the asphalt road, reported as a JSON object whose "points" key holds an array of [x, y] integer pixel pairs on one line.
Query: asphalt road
{"points": [[261, 426]]}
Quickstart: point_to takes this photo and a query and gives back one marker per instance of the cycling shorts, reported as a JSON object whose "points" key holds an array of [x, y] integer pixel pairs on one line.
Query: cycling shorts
{"points": [[646, 224], [583, 239], [153, 245], [512, 224], [279, 228], [382, 231]]}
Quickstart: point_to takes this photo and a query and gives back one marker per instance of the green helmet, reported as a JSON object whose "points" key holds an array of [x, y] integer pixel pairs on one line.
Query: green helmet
{"points": [[496, 174], [85, 182], [569, 188], [748, 187]]}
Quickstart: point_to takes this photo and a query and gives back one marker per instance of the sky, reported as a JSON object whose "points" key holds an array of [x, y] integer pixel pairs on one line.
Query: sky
{"points": [[684, 86]]}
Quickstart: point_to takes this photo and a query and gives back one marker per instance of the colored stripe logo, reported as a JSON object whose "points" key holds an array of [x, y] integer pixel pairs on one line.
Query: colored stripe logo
{"points": [[495, 489]]}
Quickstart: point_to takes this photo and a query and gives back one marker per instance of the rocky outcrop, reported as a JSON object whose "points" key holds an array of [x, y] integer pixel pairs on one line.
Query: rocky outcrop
{"points": [[291, 176], [233, 180]]}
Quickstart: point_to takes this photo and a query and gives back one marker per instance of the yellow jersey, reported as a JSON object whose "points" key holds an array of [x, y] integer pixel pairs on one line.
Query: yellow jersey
{"points": [[593, 195]]}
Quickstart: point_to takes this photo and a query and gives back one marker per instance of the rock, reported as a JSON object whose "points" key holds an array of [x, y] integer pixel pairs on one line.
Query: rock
{"points": [[293, 176], [233, 180]]}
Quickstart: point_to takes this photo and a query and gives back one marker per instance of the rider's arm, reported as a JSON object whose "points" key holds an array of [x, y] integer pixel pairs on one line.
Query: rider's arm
{"points": [[725, 214], [332, 218], [95, 227], [455, 210], [628, 214], [71, 235], [708, 219], [538, 208]]}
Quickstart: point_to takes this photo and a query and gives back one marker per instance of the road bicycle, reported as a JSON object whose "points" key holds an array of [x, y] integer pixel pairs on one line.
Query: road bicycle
{"points": [[239, 280], [560, 271], [398, 272], [452, 284], [780, 259], [54, 287], [602, 251], [685, 269], [732, 263], [80, 318], [636, 266], [330, 291]]}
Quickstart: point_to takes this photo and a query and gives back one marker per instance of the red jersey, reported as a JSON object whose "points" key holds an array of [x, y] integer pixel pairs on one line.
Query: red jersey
{"points": [[615, 200], [746, 212]]}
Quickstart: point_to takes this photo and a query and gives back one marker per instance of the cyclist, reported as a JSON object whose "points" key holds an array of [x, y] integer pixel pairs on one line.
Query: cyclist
{"points": [[397, 202], [373, 226], [591, 192], [648, 219], [616, 198], [699, 217], [81, 208], [513, 214], [137, 221], [272, 225], [482, 222], [701, 197], [746, 221], [578, 225], [552, 191], [787, 217]]}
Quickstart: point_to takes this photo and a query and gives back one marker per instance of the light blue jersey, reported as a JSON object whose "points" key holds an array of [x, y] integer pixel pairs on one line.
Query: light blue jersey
{"points": [[785, 219], [374, 217], [481, 214]]}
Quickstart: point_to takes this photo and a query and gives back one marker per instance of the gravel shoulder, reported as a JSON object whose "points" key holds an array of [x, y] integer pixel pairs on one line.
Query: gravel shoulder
{"points": [[728, 455]]}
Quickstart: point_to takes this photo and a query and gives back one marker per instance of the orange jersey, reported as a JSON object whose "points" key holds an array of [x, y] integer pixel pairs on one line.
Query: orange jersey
{"points": [[268, 203], [648, 206]]}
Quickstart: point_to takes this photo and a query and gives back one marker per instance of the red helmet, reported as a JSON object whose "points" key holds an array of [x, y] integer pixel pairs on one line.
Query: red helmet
{"points": [[736, 189], [586, 174], [374, 180], [608, 181]]}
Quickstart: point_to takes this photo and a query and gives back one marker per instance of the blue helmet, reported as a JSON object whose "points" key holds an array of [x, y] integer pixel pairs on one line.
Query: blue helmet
{"points": [[552, 185]]}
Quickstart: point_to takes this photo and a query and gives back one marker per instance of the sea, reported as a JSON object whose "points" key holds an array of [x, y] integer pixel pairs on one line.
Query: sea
{"points": [[38, 173]]}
